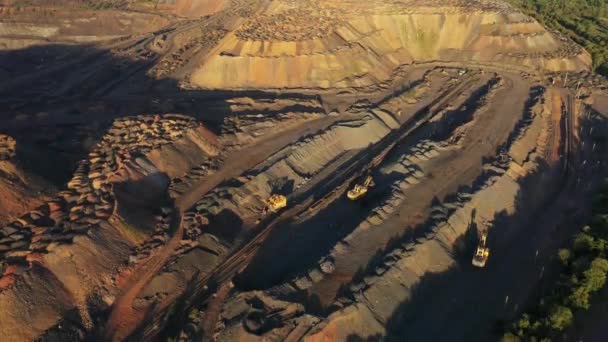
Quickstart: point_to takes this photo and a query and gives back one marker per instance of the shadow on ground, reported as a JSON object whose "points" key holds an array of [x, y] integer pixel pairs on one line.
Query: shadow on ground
{"points": [[59, 99], [469, 304]]}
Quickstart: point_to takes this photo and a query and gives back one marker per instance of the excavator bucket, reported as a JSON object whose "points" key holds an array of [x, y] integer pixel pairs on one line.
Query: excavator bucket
{"points": [[360, 190], [276, 202]]}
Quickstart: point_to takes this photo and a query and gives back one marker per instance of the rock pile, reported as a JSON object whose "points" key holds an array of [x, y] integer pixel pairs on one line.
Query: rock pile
{"points": [[7, 147], [324, 34], [243, 8], [568, 49], [439, 218], [179, 185], [404, 173], [89, 198], [209, 206], [178, 58], [295, 24], [241, 129], [257, 313]]}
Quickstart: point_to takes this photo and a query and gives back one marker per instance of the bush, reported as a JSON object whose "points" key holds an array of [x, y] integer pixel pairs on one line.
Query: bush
{"points": [[560, 318], [564, 255], [580, 298], [524, 322], [595, 276], [583, 243], [194, 315]]}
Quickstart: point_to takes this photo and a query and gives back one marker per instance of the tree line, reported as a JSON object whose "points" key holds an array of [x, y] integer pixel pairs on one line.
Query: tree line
{"points": [[584, 272], [584, 21]]}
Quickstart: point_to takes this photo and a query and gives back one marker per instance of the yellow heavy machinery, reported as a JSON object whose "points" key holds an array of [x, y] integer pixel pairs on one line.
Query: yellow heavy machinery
{"points": [[360, 190], [275, 202], [482, 253]]}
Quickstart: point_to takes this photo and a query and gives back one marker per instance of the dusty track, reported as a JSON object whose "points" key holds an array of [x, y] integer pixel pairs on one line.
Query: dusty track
{"points": [[123, 317]]}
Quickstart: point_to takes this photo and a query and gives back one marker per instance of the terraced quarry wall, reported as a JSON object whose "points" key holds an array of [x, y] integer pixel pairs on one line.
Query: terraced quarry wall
{"points": [[366, 49], [21, 28]]}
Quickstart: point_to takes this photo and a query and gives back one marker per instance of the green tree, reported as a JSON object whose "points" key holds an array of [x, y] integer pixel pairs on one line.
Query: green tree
{"points": [[560, 317], [600, 263], [564, 255], [580, 297], [583, 242], [522, 325], [595, 276]]}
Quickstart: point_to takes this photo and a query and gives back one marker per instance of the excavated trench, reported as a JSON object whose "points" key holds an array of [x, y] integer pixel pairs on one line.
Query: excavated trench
{"points": [[315, 236], [441, 210], [287, 172], [442, 241]]}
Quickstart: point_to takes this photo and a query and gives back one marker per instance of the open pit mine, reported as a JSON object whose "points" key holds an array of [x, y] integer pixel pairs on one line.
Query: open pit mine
{"points": [[257, 170]]}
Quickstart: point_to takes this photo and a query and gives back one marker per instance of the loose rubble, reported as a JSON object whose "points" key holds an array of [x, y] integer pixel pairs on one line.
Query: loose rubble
{"points": [[7, 147], [89, 198]]}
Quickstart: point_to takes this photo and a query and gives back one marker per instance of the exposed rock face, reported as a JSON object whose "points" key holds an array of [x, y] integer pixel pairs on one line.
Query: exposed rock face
{"points": [[296, 45]]}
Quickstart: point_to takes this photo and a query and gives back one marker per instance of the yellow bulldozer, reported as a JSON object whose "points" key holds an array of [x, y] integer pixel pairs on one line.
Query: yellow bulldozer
{"points": [[275, 202], [482, 253], [360, 190]]}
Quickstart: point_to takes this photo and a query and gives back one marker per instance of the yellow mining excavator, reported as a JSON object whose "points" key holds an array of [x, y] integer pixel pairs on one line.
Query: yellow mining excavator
{"points": [[359, 190], [482, 253], [275, 202]]}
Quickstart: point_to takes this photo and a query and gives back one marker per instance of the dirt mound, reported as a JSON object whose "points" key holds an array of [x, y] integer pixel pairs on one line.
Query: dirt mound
{"points": [[112, 197]]}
